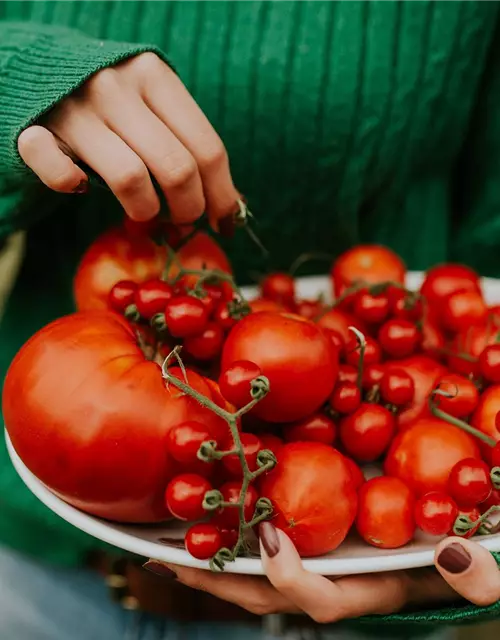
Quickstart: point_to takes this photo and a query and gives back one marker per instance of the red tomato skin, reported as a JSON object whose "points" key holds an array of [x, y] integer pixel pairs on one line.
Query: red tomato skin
{"points": [[373, 353], [294, 354], [314, 428], [122, 295], [184, 441], [366, 433], [310, 309], [424, 454], [461, 309], [397, 387], [469, 483], [228, 517], [313, 495], [372, 375], [346, 398], [470, 341], [492, 501], [372, 309], [466, 395], [399, 338], [261, 304], [445, 279], [235, 382], [279, 287], [425, 372], [184, 496], [357, 475], [347, 373], [206, 345], [489, 363], [251, 446], [116, 255], [484, 417], [370, 264], [151, 297], [100, 442], [339, 320], [203, 540], [435, 513], [271, 442], [386, 513], [474, 514]]}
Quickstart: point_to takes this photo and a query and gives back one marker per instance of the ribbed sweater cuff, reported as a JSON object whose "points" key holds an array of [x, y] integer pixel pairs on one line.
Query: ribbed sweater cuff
{"points": [[38, 68]]}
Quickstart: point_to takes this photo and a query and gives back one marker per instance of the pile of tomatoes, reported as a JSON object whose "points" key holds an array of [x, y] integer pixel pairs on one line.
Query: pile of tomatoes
{"points": [[408, 381]]}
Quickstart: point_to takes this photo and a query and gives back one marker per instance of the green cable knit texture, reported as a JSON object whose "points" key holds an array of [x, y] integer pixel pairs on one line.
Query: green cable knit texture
{"points": [[344, 122]]}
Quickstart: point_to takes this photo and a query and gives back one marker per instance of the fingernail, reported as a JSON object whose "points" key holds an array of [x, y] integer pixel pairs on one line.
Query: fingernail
{"points": [[454, 558], [269, 537], [159, 569], [227, 225], [81, 187]]}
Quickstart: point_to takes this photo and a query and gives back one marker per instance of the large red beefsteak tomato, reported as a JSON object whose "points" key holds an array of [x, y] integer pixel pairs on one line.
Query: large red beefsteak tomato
{"points": [[89, 415]]}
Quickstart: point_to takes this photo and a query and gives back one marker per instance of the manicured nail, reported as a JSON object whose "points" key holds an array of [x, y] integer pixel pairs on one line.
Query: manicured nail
{"points": [[454, 558], [269, 537], [160, 569], [81, 187], [227, 225]]}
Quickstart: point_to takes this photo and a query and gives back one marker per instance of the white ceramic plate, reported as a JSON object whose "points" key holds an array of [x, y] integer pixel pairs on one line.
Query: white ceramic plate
{"points": [[164, 542]]}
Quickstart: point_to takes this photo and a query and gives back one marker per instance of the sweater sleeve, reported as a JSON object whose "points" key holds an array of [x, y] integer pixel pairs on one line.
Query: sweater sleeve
{"points": [[39, 66]]}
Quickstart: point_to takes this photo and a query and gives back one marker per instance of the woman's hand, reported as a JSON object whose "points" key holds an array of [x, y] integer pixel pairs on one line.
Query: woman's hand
{"points": [[466, 569], [128, 123]]}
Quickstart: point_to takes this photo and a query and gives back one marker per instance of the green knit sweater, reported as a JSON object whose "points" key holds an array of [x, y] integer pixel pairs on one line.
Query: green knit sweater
{"points": [[344, 122]]}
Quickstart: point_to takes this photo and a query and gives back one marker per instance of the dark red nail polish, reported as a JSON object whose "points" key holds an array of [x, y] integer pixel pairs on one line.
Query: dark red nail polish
{"points": [[227, 225], [454, 558], [269, 537], [159, 569], [82, 187]]}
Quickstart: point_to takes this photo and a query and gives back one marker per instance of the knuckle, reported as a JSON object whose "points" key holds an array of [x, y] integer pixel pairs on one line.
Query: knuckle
{"points": [[130, 179], [181, 172], [30, 139], [102, 82], [146, 62], [213, 155], [261, 608]]}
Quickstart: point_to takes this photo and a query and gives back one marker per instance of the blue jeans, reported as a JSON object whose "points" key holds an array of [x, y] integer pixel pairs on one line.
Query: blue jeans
{"points": [[38, 602]]}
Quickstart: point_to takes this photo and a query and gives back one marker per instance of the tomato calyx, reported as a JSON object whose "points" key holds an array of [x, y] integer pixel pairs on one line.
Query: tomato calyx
{"points": [[465, 525]]}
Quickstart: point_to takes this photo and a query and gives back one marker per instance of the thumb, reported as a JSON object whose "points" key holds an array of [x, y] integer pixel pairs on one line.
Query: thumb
{"points": [[469, 569]]}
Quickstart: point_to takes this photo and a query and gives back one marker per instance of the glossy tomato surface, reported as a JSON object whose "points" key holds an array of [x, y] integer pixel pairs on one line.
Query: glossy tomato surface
{"points": [[294, 354], [444, 279], [424, 454], [484, 416], [90, 416], [339, 320], [314, 497]]}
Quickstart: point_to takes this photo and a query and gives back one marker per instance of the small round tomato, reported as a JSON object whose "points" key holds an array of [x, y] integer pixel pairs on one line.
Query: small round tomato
{"points": [[445, 279], [370, 308], [484, 418], [467, 346], [366, 433], [340, 321], [262, 304], [347, 373], [373, 353], [313, 496], [433, 340], [315, 428], [469, 483], [492, 501], [357, 475], [203, 541], [296, 357], [495, 455], [185, 316], [279, 287], [152, 296], [369, 264], [346, 398], [435, 513], [251, 447], [271, 442], [372, 375], [184, 441], [222, 316], [397, 387], [206, 345], [473, 514], [463, 392], [386, 513], [337, 340], [122, 295], [461, 309], [184, 496], [399, 338], [309, 309], [229, 537], [234, 382], [228, 517], [405, 306], [424, 454], [489, 363]]}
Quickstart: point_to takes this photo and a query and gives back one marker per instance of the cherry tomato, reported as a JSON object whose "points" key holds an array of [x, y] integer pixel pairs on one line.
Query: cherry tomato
{"points": [[251, 447], [203, 541], [495, 455], [229, 537], [489, 363], [206, 345], [312, 492], [462, 309], [397, 387], [435, 513], [184, 441], [373, 353], [296, 357], [235, 382], [467, 346], [357, 475], [372, 309], [185, 316], [347, 373], [473, 514], [271, 442], [484, 418], [262, 304], [445, 279], [469, 483], [309, 309], [228, 517], [399, 338], [315, 428], [433, 340], [366, 433], [152, 296], [337, 340], [279, 287], [346, 398], [465, 395], [386, 513], [424, 454], [405, 306], [122, 295], [370, 264], [492, 501], [184, 496], [372, 375], [340, 321], [494, 314], [223, 317]]}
